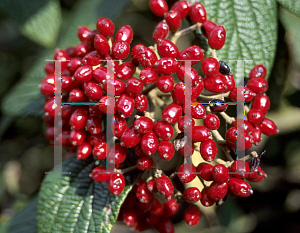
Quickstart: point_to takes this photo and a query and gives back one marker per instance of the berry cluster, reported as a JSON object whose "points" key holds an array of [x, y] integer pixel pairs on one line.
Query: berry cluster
{"points": [[147, 79]]}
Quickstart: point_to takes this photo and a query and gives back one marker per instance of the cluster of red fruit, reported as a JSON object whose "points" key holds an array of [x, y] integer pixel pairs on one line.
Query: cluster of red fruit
{"points": [[84, 78]]}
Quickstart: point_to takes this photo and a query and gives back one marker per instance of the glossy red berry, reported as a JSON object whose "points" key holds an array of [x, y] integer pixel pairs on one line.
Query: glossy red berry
{"points": [[197, 109], [166, 150], [165, 83], [258, 71], [258, 85], [165, 226], [172, 113], [245, 94], [143, 124], [186, 173], [130, 217], [126, 70], [118, 125], [255, 116], [184, 122], [145, 163], [210, 66], [105, 26], [218, 105], [106, 101], [192, 215], [217, 37], [248, 128], [198, 13], [100, 74], [77, 137], [138, 150], [92, 59], [166, 65], [239, 169], [143, 194], [207, 27], [116, 184], [268, 127], [125, 33], [200, 133], [147, 57], [163, 130], [77, 95], [173, 19], [161, 31], [205, 200], [165, 187], [119, 87], [240, 187], [151, 185], [170, 207], [134, 53], [101, 44], [167, 48], [47, 85], [130, 137], [125, 105], [94, 139], [158, 7], [93, 90], [182, 7], [261, 102], [216, 191], [148, 76], [211, 121], [229, 82], [191, 195], [149, 143], [220, 173], [100, 150], [256, 136], [182, 75], [134, 86], [120, 49], [93, 125], [83, 32], [78, 118], [204, 170], [141, 102], [62, 56], [215, 84], [208, 150], [194, 53], [100, 174]]}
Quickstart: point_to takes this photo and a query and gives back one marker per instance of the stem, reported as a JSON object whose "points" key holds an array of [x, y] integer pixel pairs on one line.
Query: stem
{"points": [[149, 88], [246, 108], [212, 97], [178, 34], [218, 136], [214, 54], [228, 119], [125, 170]]}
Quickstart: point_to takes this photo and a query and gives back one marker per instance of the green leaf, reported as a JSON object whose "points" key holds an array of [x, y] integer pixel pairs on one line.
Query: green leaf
{"points": [[24, 221], [251, 31], [85, 13], [292, 5], [75, 203]]}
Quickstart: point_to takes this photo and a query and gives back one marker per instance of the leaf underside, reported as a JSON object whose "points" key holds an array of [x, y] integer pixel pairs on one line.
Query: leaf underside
{"points": [[76, 203]]}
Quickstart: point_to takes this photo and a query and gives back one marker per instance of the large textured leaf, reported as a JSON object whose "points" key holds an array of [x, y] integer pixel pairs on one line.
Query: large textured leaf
{"points": [[291, 5], [85, 13], [75, 203], [251, 27]]}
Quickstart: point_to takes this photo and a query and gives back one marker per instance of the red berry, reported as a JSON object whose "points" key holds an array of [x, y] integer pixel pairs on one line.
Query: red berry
{"points": [[197, 109], [125, 33], [191, 195], [116, 184], [165, 187], [258, 85], [104, 102], [208, 150], [204, 170], [210, 66], [239, 187], [130, 217], [47, 85], [181, 74], [134, 86], [134, 53], [198, 13], [151, 185], [182, 7], [83, 32], [92, 59], [100, 150], [130, 137], [211, 121], [161, 31], [216, 38], [105, 27], [172, 113], [82, 49], [143, 125], [125, 105], [77, 137], [93, 125], [126, 70], [268, 127], [205, 200], [74, 63], [206, 28], [256, 136], [78, 118], [185, 121], [100, 74], [166, 150], [120, 153], [167, 48], [77, 95], [120, 49], [173, 19], [119, 87], [255, 116], [261, 102], [138, 150], [163, 130], [101, 44], [145, 163], [229, 82], [239, 169], [165, 83], [258, 71], [157, 207], [147, 57], [216, 191], [94, 139], [49, 67], [141, 102], [194, 53], [248, 128], [93, 90], [165, 226], [187, 150], [143, 194], [215, 84], [166, 65], [220, 173], [62, 56], [200, 133], [186, 173], [100, 174], [192, 215], [170, 207], [149, 143], [218, 105], [148, 76], [158, 7]]}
